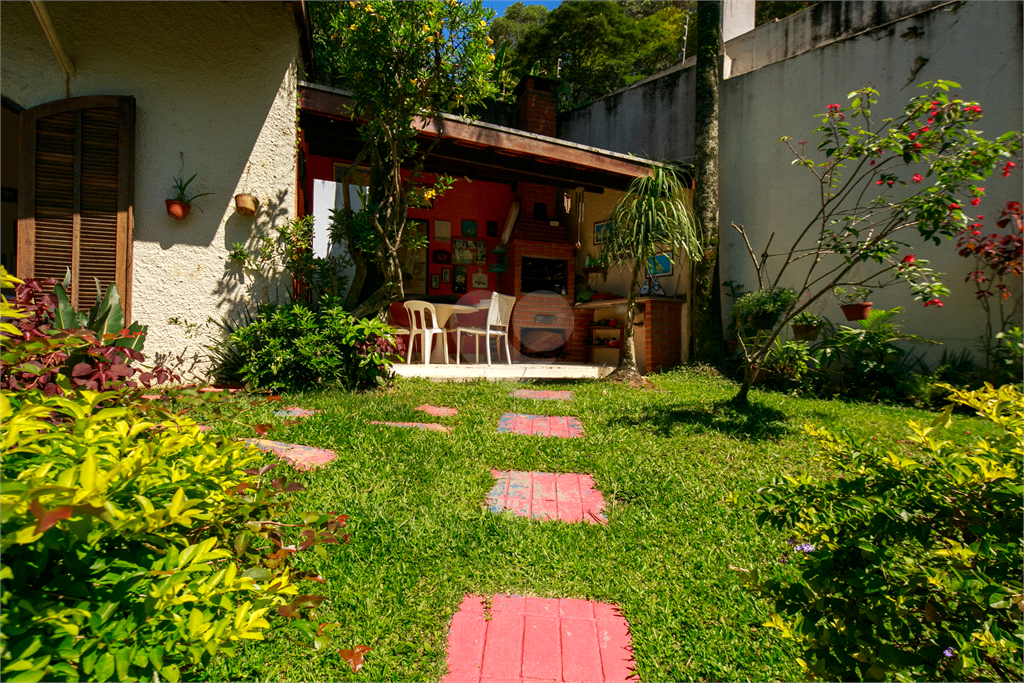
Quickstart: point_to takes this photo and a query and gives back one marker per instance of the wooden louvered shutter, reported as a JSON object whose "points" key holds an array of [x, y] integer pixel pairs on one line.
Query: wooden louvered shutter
{"points": [[76, 194]]}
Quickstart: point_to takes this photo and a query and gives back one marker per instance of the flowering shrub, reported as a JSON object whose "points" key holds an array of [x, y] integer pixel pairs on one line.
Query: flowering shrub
{"points": [[854, 238], [297, 347], [908, 557], [997, 256]]}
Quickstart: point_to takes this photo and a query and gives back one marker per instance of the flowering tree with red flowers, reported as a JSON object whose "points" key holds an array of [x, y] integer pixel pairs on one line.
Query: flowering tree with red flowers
{"points": [[997, 256], [858, 223]]}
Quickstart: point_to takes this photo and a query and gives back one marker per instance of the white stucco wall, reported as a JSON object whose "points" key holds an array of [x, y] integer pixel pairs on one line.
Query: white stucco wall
{"points": [[976, 44], [214, 81]]}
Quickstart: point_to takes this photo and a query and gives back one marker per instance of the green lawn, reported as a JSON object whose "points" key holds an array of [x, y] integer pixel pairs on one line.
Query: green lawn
{"points": [[676, 467]]}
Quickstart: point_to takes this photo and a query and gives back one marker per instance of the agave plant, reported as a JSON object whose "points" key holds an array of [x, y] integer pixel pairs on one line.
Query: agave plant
{"points": [[106, 317]]}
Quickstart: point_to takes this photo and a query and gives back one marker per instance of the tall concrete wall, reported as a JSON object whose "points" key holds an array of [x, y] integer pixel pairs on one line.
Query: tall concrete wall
{"points": [[214, 81], [976, 44]]}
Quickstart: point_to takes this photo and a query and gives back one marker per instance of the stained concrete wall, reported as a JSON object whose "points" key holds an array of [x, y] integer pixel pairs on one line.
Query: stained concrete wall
{"points": [[976, 44], [213, 81]]}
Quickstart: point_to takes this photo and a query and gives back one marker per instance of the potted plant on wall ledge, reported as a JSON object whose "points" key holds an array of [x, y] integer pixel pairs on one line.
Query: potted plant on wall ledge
{"points": [[762, 309], [806, 326], [182, 203], [855, 306]]}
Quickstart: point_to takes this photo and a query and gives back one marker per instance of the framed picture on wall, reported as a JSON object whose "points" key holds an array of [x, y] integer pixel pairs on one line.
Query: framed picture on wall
{"points": [[459, 285], [446, 275], [660, 265], [601, 231], [480, 280], [442, 256], [469, 228], [435, 281]]}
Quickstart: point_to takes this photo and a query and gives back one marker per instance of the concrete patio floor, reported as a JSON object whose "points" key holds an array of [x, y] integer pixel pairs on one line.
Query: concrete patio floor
{"points": [[501, 371]]}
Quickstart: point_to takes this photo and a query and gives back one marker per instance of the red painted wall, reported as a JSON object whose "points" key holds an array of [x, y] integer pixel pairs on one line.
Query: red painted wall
{"points": [[480, 201]]}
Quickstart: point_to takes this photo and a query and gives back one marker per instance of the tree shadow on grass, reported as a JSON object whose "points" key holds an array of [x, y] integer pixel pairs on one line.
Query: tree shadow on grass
{"points": [[750, 422]]}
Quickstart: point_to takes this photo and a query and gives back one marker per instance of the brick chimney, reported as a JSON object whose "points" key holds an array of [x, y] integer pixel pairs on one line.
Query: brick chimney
{"points": [[535, 105]]}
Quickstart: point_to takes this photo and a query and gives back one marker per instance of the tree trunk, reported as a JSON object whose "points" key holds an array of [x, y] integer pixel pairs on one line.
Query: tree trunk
{"points": [[392, 290], [626, 371], [706, 338]]}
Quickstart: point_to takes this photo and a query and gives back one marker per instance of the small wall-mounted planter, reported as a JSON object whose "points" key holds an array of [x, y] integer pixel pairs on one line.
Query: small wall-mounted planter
{"points": [[246, 204], [856, 311], [176, 209]]}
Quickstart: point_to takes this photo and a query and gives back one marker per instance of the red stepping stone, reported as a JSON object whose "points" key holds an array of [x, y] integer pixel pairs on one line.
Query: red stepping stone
{"points": [[301, 457], [543, 395], [541, 425], [295, 412], [538, 639], [438, 411], [418, 425], [546, 495]]}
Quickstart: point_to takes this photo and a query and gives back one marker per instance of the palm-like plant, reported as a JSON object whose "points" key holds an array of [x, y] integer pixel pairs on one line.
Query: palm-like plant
{"points": [[653, 217]]}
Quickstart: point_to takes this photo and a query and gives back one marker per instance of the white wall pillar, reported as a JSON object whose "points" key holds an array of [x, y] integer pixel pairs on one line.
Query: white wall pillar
{"points": [[737, 18]]}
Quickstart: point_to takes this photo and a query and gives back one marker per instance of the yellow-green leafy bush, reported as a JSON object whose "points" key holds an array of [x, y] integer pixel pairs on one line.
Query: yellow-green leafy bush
{"points": [[135, 549], [909, 559]]}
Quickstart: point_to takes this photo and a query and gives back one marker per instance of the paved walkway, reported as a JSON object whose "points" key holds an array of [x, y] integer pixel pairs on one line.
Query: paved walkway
{"points": [[542, 395], [541, 425], [301, 457], [538, 639], [415, 425], [546, 495], [438, 411]]}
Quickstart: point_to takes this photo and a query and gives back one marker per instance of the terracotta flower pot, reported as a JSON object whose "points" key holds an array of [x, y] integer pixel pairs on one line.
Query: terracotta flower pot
{"points": [[176, 209], [246, 204], [805, 333], [856, 311]]}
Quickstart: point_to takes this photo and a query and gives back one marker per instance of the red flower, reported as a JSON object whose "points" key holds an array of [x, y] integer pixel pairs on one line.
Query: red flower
{"points": [[879, 182], [1010, 164], [925, 129], [917, 145], [891, 182], [976, 201], [872, 162], [931, 120], [913, 135], [918, 178], [909, 258], [1013, 206], [954, 206]]}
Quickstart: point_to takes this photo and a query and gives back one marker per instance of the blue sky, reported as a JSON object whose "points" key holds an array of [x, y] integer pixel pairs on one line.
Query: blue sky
{"points": [[499, 5]]}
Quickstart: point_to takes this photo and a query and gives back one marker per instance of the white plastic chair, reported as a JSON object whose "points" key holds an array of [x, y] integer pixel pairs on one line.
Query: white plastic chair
{"points": [[499, 317], [418, 326]]}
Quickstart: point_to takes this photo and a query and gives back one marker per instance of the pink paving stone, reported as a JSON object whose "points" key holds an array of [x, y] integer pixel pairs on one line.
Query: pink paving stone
{"points": [[538, 639], [294, 411], [545, 495], [301, 457], [543, 395], [438, 411], [541, 425], [417, 425]]}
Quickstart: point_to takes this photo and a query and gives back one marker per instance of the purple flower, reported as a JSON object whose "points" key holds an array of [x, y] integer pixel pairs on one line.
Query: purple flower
{"points": [[949, 652], [783, 560], [805, 548]]}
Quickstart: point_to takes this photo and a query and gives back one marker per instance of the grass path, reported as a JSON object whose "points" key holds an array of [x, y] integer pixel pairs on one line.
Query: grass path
{"points": [[676, 467]]}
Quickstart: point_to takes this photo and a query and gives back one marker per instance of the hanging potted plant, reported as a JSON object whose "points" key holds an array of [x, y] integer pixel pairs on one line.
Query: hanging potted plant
{"points": [[806, 326], [762, 309], [246, 204], [855, 306], [182, 203]]}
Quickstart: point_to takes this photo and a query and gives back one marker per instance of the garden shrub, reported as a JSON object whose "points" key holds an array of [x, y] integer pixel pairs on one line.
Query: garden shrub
{"points": [[909, 557], [135, 549], [298, 347], [51, 347]]}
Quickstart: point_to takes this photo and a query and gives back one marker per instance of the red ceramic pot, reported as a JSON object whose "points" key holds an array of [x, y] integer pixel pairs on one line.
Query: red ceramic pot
{"points": [[857, 311], [176, 209], [805, 333]]}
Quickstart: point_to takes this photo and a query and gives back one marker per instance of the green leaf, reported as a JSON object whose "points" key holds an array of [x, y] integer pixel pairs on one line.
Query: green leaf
{"points": [[258, 574], [104, 666], [64, 315], [171, 673]]}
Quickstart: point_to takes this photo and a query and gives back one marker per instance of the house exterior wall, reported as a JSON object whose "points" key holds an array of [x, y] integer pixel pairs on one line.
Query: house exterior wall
{"points": [[801, 69], [215, 82]]}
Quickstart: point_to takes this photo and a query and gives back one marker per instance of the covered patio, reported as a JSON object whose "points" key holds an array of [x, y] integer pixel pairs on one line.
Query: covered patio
{"points": [[512, 224]]}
